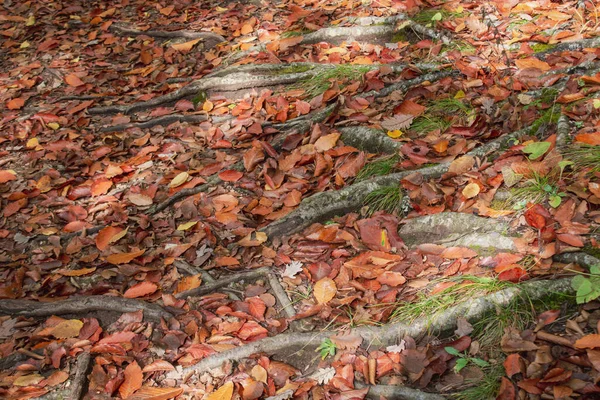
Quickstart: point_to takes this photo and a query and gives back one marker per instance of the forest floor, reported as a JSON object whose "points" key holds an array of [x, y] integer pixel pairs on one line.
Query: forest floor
{"points": [[299, 199]]}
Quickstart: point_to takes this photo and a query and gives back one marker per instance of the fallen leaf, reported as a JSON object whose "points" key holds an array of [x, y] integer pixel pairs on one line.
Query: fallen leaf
{"points": [[588, 342], [140, 200], [156, 393], [124, 258], [223, 393], [133, 380], [15, 104], [179, 180], [140, 290], [7, 175], [186, 46], [471, 190], [73, 80], [326, 142], [324, 290], [67, 329]]}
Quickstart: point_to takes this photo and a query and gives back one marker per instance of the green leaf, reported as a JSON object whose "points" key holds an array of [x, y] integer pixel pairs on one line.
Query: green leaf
{"points": [[452, 351], [555, 200], [460, 364], [536, 149], [437, 17], [595, 269], [584, 292], [564, 164], [480, 362], [577, 281], [596, 103]]}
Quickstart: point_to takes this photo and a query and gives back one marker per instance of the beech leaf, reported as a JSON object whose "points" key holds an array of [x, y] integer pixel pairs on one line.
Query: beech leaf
{"points": [[325, 290]]}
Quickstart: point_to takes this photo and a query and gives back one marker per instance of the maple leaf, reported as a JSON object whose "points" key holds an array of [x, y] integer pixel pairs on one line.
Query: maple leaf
{"points": [[292, 269]]}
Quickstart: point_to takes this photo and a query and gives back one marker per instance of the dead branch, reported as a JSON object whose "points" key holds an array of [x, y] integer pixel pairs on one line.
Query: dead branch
{"points": [[211, 39], [398, 392], [81, 305], [222, 282], [80, 379]]}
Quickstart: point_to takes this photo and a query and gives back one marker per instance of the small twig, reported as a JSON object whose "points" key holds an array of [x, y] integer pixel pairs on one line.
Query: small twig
{"points": [[80, 379], [398, 392], [281, 296], [210, 288], [548, 337]]}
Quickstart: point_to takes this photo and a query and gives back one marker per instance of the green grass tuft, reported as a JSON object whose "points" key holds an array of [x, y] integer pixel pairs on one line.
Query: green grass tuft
{"points": [[436, 116], [343, 73], [388, 199], [427, 305], [383, 166], [485, 388], [584, 157], [290, 34], [541, 47]]}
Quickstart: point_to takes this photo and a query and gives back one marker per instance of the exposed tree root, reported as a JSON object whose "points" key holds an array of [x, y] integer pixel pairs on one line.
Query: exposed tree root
{"points": [[322, 206], [369, 139], [212, 287], [82, 305], [383, 335], [581, 258], [210, 39], [398, 393], [570, 46], [457, 229], [162, 121]]}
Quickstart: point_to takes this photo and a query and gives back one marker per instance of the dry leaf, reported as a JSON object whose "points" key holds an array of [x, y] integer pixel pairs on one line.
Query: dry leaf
{"points": [[139, 199], [108, 235], [67, 329], [124, 258], [133, 380], [471, 190], [326, 142], [185, 47], [156, 393], [140, 290], [325, 290], [73, 80], [223, 393], [179, 180]]}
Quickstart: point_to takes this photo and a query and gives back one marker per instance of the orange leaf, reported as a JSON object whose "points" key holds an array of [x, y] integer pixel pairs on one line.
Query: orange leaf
{"points": [[257, 307], [570, 239], [588, 342], [133, 380], [124, 258], [458, 252], [107, 236], [15, 104], [158, 365], [75, 272], [7, 175], [325, 290], [532, 62], [513, 364], [188, 283], [156, 393], [141, 289], [471, 190], [100, 187], [230, 175], [391, 278], [185, 47], [68, 328], [588, 138], [73, 80]]}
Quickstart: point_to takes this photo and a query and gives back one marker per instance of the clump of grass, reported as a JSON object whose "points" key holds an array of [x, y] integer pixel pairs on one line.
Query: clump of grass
{"points": [[584, 157], [436, 115], [490, 327], [344, 73], [380, 167], [467, 288], [430, 15], [535, 190], [387, 198], [485, 388]]}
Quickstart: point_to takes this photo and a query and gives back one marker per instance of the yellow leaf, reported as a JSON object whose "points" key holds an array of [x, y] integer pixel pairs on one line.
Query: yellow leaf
{"points": [[220, 9], [259, 373], [471, 190], [395, 134], [207, 106], [187, 225], [28, 380], [324, 290], [25, 45], [459, 95], [253, 239], [188, 283], [67, 329], [30, 21], [179, 180], [32, 143], [53, 125], [223, 393]]}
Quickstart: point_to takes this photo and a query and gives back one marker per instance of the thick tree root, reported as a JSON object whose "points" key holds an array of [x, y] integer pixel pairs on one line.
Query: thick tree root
{"points": [[570, 46], [325, 205], [369, 139], [212, 287], [386, 335], [457, 229], [579, 257], [162, 121], [398, 393], [243, 77], [82, 305], [210, 39]]}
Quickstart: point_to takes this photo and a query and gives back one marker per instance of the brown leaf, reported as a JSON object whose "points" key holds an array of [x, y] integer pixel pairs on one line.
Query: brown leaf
{"points": [[471, 190], [15, 104], [7, 175], [458, 252], [327, 142], [324, 290], [141, 289], [532, 62], [186, 46], [124, 258], [108, 235], [67, 329], [230, 175], [461, 165], [73, 80], [139, 199], [158, 365], [133, 380], [588, 342], [514, 365]]}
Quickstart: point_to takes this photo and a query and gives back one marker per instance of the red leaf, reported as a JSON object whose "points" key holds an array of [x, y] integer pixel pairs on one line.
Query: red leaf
{"points": [[257, 307], [73, 80], [104, 237], [513, 365], [507, 390], [534, 216], [302, 107], [513, 275], [458, 252], [133, 380], [141, 289], [15, 104], [230, 175]]}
